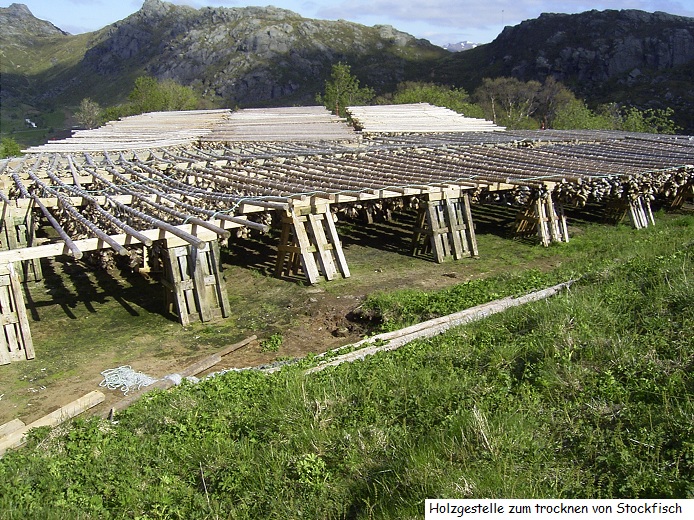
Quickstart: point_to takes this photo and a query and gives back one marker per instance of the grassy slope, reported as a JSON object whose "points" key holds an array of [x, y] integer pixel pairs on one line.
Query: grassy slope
{"points": [[586, 395]]}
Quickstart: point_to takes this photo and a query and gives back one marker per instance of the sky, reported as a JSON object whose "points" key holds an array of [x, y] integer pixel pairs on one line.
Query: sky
{"points": [[439, 21]]}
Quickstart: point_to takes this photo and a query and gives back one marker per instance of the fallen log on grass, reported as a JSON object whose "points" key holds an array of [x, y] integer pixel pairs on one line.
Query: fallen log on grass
{"points": [[434, 327]]}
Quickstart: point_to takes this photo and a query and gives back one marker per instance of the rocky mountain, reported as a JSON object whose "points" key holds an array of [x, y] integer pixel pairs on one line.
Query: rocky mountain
{"points": [[252, 56], [235, 56], [20, 25], [629, 56]]}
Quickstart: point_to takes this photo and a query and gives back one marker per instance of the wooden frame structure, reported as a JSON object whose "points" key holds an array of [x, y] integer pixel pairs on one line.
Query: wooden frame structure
{"points": [[184, 188]]}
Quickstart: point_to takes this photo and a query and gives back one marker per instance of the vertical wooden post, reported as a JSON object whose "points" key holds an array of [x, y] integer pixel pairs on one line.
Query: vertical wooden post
{"points": [[470, 225]]}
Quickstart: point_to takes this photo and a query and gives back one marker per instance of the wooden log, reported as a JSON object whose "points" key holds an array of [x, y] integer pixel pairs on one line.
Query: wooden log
{"points": [[434, 327], [62, 414]]}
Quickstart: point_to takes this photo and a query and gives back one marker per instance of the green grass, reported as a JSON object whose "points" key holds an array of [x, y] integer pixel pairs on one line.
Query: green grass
{"points": [[588, 394]]}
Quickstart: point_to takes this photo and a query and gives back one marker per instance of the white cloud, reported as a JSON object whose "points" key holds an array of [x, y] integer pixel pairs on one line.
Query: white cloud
{"points": [[467, 15]]}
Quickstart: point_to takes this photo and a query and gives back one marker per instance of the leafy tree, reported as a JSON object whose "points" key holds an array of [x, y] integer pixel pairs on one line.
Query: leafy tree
{"points": [[343, 90], [509, 101], [439, 95], [89, 113], [9, 148], [150, 95], [651, 121], [552, 97], [575, 115]]}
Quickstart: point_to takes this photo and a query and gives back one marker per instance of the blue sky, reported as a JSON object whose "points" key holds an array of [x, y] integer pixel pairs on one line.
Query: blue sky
{"points": [[440, 21]]}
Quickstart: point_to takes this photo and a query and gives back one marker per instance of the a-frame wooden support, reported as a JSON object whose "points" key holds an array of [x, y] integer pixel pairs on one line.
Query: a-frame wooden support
{"points": [[544, 218], [684, 194], [195, 286], [638, 209], [444, 226], [309, 242], [15, 338]]}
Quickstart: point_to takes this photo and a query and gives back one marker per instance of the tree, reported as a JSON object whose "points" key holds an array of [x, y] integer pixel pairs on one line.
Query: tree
{"points": [[651, 121], [343, 90], [577, 116], [439, 95], [9, 148], [88, 114], [509, 101], [150, 95], [552, 97]]}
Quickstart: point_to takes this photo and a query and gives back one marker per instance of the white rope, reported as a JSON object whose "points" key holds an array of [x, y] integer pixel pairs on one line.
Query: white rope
{"points": [[125, 378]]}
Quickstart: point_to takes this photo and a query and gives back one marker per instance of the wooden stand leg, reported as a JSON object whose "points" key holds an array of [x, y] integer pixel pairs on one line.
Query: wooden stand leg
{"points": [[16, 343], [444, 226], [196, 288], [310, 238]]}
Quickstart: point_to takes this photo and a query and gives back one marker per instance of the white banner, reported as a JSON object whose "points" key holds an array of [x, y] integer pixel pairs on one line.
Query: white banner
{"points": [[491, 509]]}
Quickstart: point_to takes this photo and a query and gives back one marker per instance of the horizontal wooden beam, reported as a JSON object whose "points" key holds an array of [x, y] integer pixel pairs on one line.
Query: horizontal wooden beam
{"points": [[93, 244]]}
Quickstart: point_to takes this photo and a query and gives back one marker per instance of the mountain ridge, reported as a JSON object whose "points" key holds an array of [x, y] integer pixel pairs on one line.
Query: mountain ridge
{"points": [[255, 56], [244, 55], [628, 56]]}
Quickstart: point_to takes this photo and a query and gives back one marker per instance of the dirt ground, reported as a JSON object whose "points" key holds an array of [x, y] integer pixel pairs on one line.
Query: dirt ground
{"points": [[85, 320]]}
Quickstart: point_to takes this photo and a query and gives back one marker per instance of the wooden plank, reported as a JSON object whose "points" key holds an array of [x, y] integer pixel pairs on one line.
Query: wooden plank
{"points": [[5, 358], [562, 222], [62, 414], [92, 244], [21, 311], [11, 427], [173, 270], [323, 253], [283, 247], [443, 228], [200, 269], [553, 221], [336, 243], [436, 238], [220, 282], [453, 226], [187, 284], [307, 260], [542, 230], [462, 225], [9, 329], [470, 225], [419, 238]]}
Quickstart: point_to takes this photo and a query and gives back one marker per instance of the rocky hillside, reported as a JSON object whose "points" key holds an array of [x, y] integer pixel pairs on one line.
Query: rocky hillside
{"points": [[254, 56], [629, 56], [236, 56]]}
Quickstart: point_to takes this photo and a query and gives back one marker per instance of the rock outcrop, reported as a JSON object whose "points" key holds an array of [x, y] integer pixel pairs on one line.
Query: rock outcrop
{"points": [[629, 56]]}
